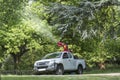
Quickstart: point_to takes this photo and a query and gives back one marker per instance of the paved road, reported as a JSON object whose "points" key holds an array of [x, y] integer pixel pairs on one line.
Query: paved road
{"points": [[104, 74]]}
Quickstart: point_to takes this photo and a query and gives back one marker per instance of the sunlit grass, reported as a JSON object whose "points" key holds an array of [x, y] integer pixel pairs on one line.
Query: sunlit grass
{"points": [[63, 77]]}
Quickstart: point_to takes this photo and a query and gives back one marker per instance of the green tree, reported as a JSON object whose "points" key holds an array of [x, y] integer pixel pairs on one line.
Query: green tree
{"points": [[22, 32], [17, 41], [10, 11], [86, 21]]}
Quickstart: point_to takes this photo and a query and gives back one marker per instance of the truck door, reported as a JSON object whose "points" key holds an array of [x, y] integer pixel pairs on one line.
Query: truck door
{"points": [[67, 62], [72, 61]]}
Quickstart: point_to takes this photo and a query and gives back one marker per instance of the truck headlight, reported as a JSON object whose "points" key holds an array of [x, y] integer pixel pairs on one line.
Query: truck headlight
{"points": [[52, 64], [35, 64]]}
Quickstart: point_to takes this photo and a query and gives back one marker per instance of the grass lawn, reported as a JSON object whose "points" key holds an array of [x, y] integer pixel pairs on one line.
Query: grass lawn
{"points": [[86, 76], [62, 77], [109, 69]]}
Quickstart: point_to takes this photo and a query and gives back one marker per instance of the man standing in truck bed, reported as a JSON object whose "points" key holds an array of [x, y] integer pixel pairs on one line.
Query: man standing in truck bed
{"points": [[65, 46]]}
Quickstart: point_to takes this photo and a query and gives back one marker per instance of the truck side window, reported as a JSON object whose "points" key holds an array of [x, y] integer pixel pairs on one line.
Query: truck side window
{"points": [[69, 54], [65, 55]]}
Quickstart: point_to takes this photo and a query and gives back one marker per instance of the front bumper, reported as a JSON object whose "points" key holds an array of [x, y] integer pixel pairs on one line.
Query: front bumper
{"points": [[44, 69]]}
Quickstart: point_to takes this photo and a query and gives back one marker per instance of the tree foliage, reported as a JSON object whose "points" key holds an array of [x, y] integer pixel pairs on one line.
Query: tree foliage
{"points": [[89, 23], [21, 33], [29, 29], [81, 19]]}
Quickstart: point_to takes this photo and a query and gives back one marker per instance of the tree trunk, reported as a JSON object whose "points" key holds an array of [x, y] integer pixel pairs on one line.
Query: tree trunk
{"points": [[16, 61], [17, 56]]}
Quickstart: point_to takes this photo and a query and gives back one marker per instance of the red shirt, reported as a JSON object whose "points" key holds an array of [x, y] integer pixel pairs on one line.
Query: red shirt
{"points": [[65, 47]]}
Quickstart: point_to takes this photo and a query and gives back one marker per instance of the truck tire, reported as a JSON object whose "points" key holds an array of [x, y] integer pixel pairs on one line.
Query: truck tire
{"points": [[80, 70], [59, 70]]}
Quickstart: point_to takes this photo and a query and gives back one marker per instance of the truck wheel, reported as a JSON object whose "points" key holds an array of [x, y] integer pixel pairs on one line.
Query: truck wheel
{"points": [[80, 70], [59, 70]]}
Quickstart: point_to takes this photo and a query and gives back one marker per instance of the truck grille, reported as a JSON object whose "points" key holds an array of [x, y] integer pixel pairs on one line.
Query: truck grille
{"points": [[41, 63], [41, 67]]}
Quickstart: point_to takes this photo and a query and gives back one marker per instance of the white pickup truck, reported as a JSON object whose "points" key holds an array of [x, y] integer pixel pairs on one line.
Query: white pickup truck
{"points": [[59, 62]]}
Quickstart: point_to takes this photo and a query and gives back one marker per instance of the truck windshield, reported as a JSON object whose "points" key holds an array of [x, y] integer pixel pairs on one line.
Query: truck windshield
{"points": [[52, 55]]}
